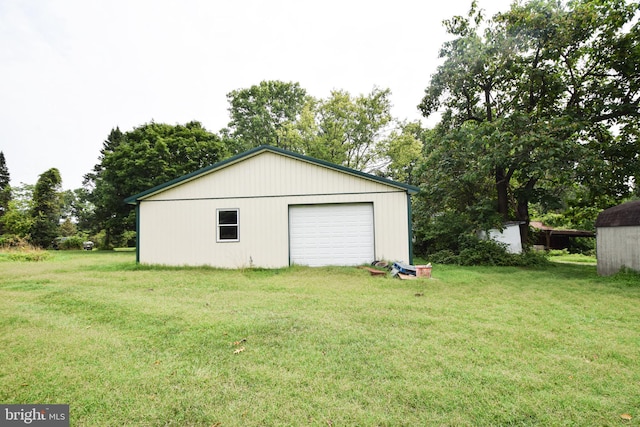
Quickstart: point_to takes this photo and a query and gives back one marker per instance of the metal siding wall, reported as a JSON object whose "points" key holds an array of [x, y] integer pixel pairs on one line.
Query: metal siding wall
{"points": [[270, 174], [392, 231], [182, 232], [617, 247]]}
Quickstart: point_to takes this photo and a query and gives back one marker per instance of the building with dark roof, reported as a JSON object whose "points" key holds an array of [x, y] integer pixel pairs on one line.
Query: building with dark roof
{"points": [[618, 238]]}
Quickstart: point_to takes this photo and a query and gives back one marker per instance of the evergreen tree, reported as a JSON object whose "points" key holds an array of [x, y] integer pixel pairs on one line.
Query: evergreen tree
{"points": [[5, 189], [46, 208]]}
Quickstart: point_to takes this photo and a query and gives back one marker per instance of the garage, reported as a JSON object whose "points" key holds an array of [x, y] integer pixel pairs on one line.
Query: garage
{"points": [[270, 208], [333, 234]]}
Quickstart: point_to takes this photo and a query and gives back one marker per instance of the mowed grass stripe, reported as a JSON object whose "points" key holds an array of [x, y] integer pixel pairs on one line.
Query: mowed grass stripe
{"points": [[138, 345]]}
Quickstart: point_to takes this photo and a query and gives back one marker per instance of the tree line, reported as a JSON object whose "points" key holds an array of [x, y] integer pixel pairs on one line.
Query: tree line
{"points": [[538, 118]]}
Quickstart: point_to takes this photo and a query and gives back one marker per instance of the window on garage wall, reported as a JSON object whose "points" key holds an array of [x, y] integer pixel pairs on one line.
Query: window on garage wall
{"points": [[228, 225]]}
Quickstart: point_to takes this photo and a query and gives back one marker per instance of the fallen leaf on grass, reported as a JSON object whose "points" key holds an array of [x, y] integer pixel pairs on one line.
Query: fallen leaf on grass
{"points": [[238, 350], [157, 362], [240, 342], [626, 417]]}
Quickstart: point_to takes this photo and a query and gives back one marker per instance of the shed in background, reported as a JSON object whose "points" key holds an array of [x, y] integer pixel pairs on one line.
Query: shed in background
{"points": [[508, 236], [618, 238], [547, 237]]}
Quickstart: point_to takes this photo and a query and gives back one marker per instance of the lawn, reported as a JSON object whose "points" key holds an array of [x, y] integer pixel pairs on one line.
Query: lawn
{"points": [[565, 257], [129, 345]]}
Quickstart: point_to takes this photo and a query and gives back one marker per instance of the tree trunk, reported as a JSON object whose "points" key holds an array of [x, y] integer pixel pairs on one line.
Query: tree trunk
{"points": [[523, 216], [522, 212], [502, 191]]}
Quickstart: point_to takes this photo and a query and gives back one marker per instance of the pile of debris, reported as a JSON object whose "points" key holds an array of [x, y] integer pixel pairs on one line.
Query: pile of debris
{"points": [[400, 270]]}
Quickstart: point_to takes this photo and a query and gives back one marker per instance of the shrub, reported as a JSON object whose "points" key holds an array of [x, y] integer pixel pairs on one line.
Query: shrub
{"points": [[531, 259], [71, 243], [476, 251], [13, 241], [29, 255], [445, 256], [24, 252]]}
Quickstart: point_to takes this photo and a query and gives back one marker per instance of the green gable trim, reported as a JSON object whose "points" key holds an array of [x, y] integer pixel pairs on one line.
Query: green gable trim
{"points": [[137, 233], [410, 189], [410, 227]]}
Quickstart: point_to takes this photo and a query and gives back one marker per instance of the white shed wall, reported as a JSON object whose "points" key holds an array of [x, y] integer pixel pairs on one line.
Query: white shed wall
{"points": [[617, 247], [510, 236]]}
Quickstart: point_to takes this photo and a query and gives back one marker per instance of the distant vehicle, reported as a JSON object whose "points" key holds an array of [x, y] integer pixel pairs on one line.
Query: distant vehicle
{"points": [[87, 246]]}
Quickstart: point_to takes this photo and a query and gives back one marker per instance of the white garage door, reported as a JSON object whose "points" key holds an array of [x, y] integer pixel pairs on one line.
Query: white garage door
{"points": [[339, 234]]}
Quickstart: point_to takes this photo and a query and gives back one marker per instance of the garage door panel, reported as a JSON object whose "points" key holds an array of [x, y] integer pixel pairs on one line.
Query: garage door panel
{"points": [[331, 234]]}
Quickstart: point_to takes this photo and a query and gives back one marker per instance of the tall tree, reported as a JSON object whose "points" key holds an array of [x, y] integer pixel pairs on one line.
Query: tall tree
{"points": [[347, 130], [5, 189], [260, 112], [537, 93], [403, 152], [352, 130], [139, 159], [46, 208]]}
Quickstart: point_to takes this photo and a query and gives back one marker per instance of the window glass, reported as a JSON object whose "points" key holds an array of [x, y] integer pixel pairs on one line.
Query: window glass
{"points": [[228, 217], [229, 232], [228, 225]]}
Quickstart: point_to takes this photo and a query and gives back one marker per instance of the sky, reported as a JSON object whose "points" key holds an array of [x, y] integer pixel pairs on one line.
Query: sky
{"points": [[72, 70]]}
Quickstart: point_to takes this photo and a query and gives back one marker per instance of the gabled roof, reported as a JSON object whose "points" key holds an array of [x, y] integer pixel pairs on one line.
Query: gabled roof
{"points": [[410, 189], [626, 214]]}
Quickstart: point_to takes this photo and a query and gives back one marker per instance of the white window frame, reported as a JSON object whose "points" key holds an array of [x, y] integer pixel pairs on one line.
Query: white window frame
{"points": [[218, 225]]}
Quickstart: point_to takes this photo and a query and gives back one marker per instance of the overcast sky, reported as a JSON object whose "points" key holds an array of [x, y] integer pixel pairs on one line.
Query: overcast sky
{"points": [[71, 70]]}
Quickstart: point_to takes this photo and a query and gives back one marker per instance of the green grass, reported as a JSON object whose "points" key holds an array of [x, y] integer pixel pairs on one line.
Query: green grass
{"points": [[565, 257], [148, 346]]}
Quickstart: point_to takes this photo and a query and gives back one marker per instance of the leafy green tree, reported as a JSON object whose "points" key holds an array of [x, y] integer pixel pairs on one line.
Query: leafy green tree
{"points": [[404, 151], [17, 220], [342, 129], [352, 130], [5, 189], [455, 197], [533, 98], [46, 208], [301, 135], [139, 159], [259, 113], [67, 228], [82, 210]]}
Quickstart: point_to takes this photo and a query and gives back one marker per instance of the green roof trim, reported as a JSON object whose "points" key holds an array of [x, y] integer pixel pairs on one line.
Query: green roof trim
{"points": [[132, 200]]}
